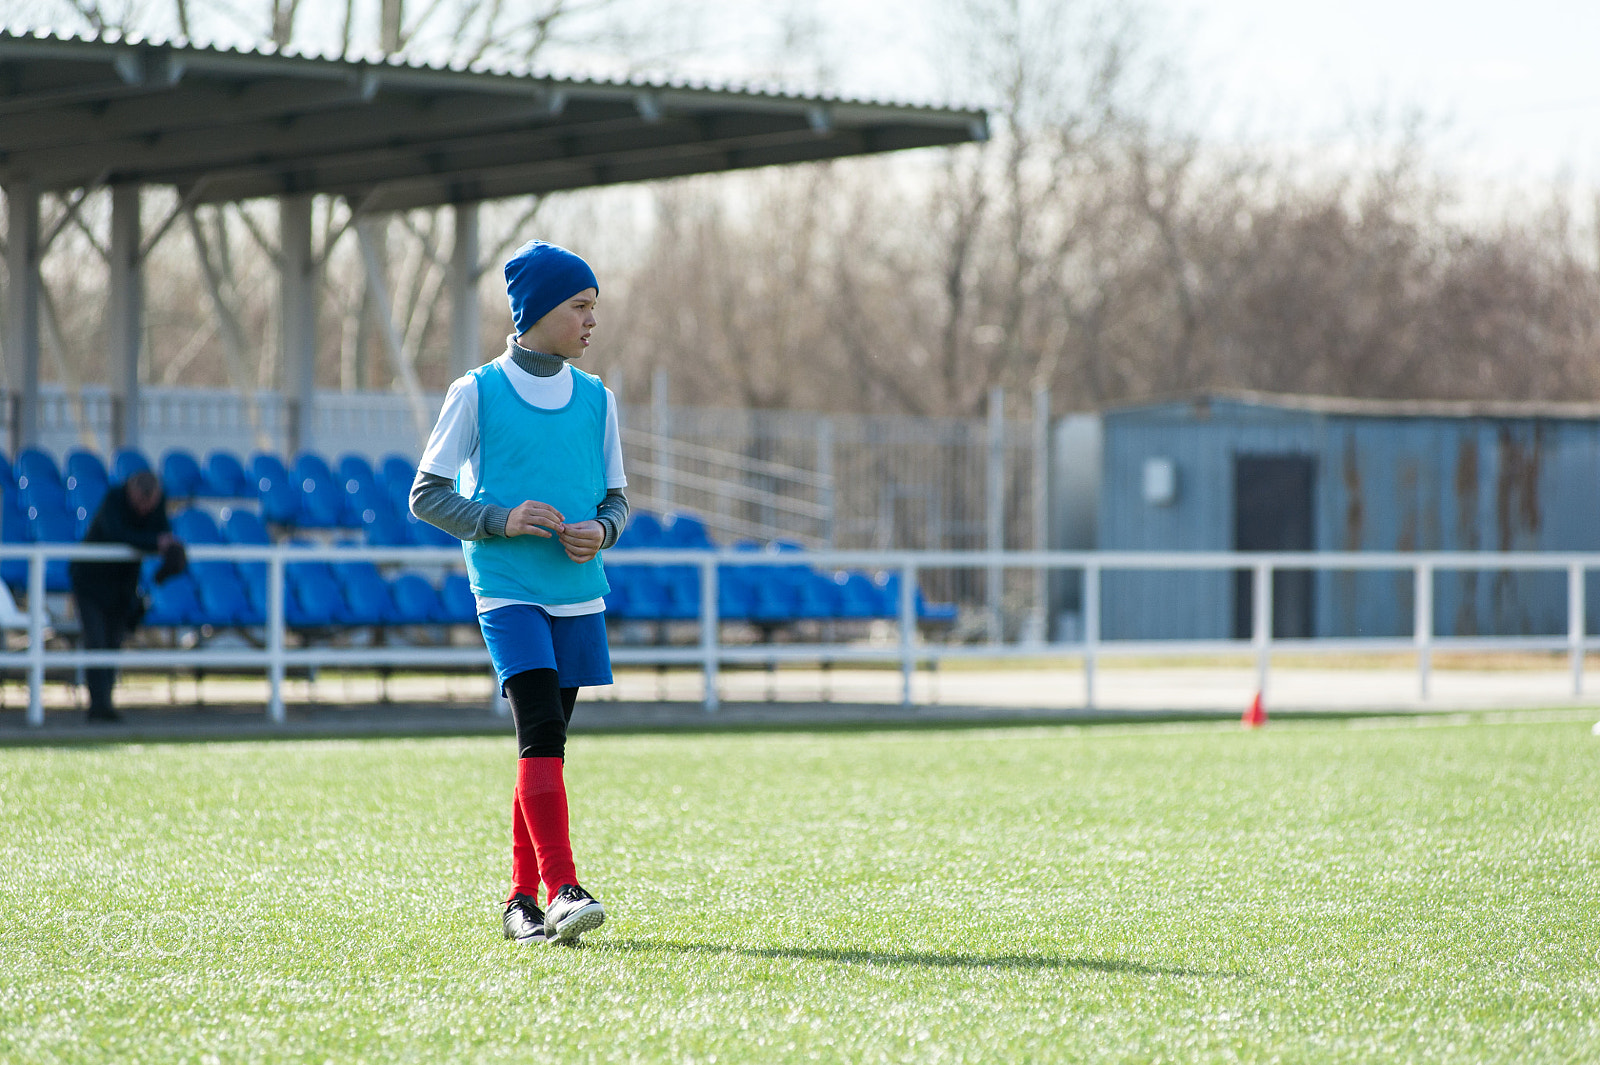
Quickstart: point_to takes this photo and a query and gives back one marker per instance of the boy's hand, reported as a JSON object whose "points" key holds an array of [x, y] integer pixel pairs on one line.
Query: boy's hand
{"points": [[582, 539], [535, 518]]}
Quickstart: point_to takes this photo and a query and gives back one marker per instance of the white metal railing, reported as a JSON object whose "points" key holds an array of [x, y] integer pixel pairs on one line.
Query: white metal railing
{"points": [[909, 650]]}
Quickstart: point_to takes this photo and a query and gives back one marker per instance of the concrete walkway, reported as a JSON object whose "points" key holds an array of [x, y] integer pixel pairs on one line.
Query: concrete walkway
{"points": [[644, 701]]}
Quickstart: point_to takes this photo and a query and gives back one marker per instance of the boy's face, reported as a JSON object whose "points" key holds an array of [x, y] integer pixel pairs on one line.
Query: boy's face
{"points": [[565, 330]]}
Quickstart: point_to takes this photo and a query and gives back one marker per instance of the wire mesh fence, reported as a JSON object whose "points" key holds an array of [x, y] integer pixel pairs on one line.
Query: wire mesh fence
{"points": [[819, 480]]}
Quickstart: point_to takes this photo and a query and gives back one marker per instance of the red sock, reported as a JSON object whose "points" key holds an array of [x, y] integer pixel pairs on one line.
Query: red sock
{"points": [[524, 860], [542, 794]]}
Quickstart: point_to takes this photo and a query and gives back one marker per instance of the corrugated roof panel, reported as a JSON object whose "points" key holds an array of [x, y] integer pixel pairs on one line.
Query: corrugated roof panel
{"points": [[391, 133]]}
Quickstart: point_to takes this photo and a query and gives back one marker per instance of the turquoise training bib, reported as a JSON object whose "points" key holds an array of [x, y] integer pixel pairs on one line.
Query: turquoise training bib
{"points": [[549, 456]]}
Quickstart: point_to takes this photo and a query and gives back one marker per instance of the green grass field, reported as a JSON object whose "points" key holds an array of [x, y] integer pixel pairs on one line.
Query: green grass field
{"points": [[1307, 893]]}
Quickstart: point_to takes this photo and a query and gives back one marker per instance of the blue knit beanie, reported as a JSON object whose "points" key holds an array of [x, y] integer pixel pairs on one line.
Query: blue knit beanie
{"points": [[539, 277]]}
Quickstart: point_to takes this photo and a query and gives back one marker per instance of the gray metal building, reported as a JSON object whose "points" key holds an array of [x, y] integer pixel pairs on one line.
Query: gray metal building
{"points": [[1246, 471]]}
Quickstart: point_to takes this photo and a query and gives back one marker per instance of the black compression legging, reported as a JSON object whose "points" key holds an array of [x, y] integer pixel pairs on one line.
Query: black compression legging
{"points": [[542, 710]]}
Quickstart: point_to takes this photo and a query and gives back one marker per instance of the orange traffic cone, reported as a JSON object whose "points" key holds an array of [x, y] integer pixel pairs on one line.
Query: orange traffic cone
{"points": [[1256, 715]]}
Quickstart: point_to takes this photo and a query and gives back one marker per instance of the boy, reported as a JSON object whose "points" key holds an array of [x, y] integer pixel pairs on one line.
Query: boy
{"points": [[525, 467]]}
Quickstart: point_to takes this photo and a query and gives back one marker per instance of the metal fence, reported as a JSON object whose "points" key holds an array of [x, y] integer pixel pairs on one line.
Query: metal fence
{"points": [[201, 419], [909, 650], [824, 480]]}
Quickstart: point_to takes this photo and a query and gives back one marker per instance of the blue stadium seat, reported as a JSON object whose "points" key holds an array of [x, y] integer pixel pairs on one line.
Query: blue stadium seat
{"points": [[86, 483], [278, 493], [127, 462], [682, 586], [860, 597], [321, 497], [176, 602], [926, 611], [226, 478], [796, 573], [53, 525], [361, 491], [224, 595], [636, 592], [303, 567], [84, 466], [644, 530], [686, 531], [14, 530], [321, 506], [39, 483], [455, 597], [8, 475], [394, 477], [37, 468], [254, 576], [45, 496], [888, 594], [416, 602], [245, 527], [673, 594], [366, 593], [774, 595], [181, 476], [353, 467], [311, 464], [817, 597], [82, 518], [398, 467], [363, 505], [195, 526], [425, 535], [735, 595], [383, 528], [619, 600], [314, 599], [736, 584]]}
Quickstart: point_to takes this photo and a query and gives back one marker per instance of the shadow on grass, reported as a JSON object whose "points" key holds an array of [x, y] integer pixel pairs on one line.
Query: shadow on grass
{"points": [[911, 958]]}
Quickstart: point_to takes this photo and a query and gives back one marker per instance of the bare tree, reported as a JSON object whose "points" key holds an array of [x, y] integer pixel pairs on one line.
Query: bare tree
{"points": [[1093, 246]]}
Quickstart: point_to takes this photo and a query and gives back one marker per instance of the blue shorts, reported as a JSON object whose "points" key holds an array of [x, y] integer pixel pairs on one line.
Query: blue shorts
{"points": [[523, 637]]}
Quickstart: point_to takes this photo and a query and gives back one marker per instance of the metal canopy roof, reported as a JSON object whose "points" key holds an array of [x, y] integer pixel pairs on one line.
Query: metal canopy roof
{"points": [[224, 125]]}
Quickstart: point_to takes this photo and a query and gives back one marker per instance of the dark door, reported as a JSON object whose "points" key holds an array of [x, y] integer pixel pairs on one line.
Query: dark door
{"points": [[1272, 497]]}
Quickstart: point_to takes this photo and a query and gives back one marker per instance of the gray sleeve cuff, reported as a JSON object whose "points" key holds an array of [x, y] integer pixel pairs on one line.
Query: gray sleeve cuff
{"points": [[495, 518], [612, 514]]}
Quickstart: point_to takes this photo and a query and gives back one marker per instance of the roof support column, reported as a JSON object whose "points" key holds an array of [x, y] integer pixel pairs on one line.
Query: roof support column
{"points": [[125, 313], [23, 256], [297, 308], [403, 369], [464, 274]]}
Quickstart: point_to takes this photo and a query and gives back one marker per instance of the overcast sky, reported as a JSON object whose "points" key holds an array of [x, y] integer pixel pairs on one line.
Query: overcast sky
{"points": [[1512, 90], [1518, 85]]}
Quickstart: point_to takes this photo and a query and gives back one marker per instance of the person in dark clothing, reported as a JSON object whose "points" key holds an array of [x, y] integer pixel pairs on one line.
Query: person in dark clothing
{"points": [[107, 593]]}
